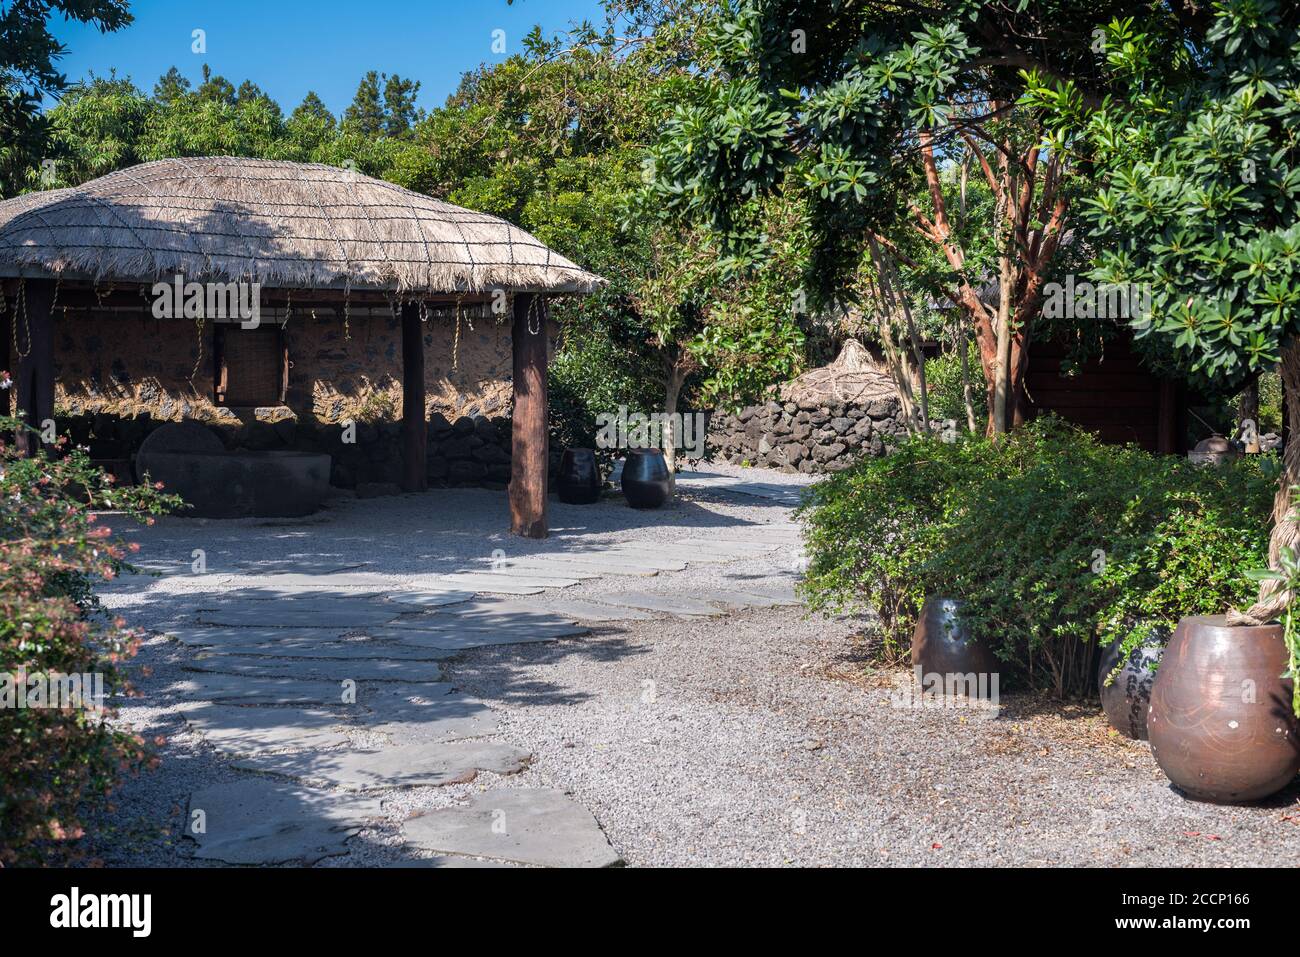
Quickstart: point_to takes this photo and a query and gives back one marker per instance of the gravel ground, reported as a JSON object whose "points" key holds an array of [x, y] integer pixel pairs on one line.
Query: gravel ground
{"points": [[760, 738]]}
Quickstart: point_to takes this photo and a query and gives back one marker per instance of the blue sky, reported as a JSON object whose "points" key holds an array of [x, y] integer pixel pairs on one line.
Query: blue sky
{"points": [[288, 47]]}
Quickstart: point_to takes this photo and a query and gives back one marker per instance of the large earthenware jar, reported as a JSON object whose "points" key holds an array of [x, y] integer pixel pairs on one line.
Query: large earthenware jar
{"points": [[579, 479], [1128, 697], [1221, 725], [646, 482], [941, 643]]}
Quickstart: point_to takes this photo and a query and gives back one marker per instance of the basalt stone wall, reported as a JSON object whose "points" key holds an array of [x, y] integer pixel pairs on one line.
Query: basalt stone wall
{"points": [[807, 436], [469, 451]]}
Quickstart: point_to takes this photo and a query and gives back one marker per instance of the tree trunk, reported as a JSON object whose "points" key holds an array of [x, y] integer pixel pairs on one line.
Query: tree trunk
{"points": [[672, 391], [1273, 600]]}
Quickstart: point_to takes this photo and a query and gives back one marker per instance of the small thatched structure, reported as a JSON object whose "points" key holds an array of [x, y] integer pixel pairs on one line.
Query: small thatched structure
{"points": [[852, 377], [302, 235]]}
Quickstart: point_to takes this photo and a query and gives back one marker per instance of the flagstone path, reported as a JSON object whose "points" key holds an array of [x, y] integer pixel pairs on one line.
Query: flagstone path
{"points": [[323, 683]]}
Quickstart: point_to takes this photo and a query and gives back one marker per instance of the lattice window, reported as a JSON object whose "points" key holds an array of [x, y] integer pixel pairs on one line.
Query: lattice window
{"points": [[252, 365]]}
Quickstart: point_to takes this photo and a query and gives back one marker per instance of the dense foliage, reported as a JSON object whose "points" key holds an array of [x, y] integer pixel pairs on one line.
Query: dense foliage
{"points": [[57, 762], [1054, 541]]}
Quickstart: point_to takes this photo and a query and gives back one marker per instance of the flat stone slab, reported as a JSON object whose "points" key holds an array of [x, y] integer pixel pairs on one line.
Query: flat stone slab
{"points": [[327, 669], [452, 637], [408, 766], [728, 547], [366, 650], [445, 718], [642, 556], [525, 825], [222, 687], [737, 598], [224, 596], [305, 581], [259, 821], [668, 604], [506, 582], [244, 731], [303, 611], [593, 611], [443, 860], [591, 565], [430, 597], [545, 566], [225, 635]]}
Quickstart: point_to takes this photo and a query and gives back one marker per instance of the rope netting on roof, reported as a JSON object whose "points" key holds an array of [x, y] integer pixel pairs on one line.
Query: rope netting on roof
{"points": [[282, 224], [853, 378]]}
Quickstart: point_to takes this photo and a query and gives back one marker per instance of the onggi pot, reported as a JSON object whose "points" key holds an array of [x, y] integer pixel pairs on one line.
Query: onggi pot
{"points": [[646, 482], [1127, 699], [1221, 725], [942, 645], [579, 479]]}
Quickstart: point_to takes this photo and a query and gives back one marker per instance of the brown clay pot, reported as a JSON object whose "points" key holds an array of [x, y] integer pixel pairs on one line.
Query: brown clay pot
{"points": [[1221, 725], [941, 643]]}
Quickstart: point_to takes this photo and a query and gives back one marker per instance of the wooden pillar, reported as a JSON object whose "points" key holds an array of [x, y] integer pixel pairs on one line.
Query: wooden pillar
{"points": [[415, 429], [33, 374], [528, 463]]}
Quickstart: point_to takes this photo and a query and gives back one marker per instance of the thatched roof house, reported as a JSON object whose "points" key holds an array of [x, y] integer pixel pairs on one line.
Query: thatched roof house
{"points": [[299, 239]]}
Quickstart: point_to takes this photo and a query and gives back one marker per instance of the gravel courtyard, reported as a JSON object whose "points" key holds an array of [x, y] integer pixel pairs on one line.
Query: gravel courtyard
{"points": [[757, 736]]}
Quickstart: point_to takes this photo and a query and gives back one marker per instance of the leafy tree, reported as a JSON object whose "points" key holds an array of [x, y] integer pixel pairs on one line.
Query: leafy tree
{"points": [[865, 105], [1198, 170], [28, 71], [171, 86]]}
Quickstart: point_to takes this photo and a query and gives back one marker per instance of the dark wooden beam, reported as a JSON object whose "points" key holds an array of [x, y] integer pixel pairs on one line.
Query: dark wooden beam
{"points": [[415, 430], [33, 374], [528, 464]]}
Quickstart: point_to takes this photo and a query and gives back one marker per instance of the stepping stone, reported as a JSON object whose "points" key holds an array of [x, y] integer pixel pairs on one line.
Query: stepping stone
{"points": [[210, 635], [244, 731], [529, 826], [721, 547], [221, 598], [536, 567], [309, 650], [640, 556], [298, 581], [592, 566], [221, 687], [505, 582], [593, 611], [302, 612], [454, 638], [669, 604], [443, 860], [446, 718], [697, 554], [259, 821], [358, 669], [430, 597], [299, 566], [741, 599], [408, 766]]}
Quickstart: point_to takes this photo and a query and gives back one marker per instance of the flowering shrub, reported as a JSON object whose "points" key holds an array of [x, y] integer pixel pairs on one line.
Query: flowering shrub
{"points": [[55, 761]]}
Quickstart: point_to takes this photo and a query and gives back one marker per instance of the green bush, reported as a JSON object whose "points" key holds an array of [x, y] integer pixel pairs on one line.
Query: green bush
{"points": [[943, 377], [1055, 542], [55, 762]]}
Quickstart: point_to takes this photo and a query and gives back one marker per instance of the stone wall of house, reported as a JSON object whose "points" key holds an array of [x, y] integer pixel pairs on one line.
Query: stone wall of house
{"points": [[807, 436], [130, 363], [121, 375]]}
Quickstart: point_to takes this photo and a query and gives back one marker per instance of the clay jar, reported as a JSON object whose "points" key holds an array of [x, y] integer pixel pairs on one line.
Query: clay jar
{"points": [[941, 643], [1220, 724], [1127, 699]]}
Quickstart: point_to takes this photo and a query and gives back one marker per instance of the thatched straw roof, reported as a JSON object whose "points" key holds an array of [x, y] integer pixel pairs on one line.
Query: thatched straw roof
{"points": [[853, 377], [298, 225]]}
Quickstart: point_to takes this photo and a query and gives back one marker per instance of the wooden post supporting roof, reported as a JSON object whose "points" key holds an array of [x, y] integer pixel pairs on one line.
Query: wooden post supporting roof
{"points": [[528, 464], [32, 332], [415, 429]]}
